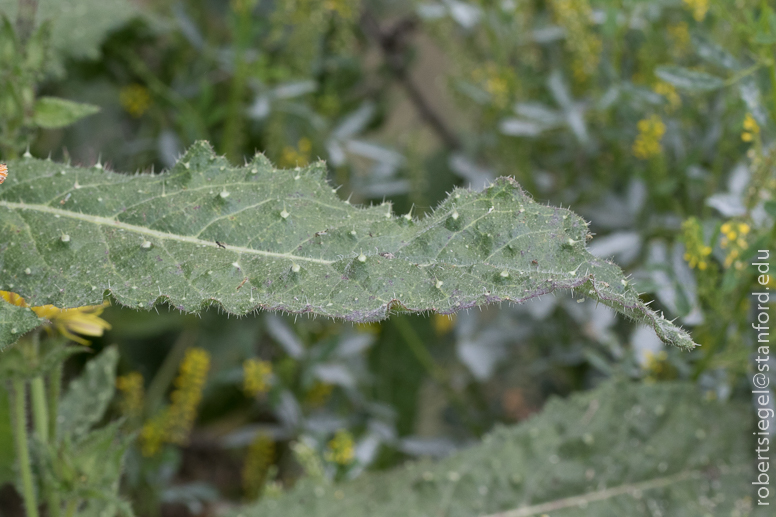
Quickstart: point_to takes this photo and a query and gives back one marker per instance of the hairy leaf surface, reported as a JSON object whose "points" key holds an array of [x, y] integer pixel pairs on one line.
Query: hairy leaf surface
{"points": [[15, 322], [624, 449], [88, 396], [257, 237]]}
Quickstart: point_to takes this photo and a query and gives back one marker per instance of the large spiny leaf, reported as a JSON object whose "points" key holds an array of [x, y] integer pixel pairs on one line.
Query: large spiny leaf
{"points": [[622, 450], [69, 235]]}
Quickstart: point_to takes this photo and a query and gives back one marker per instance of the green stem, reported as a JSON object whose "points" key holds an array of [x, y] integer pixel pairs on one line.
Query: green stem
{"points": [[438, 374], [42, 420], [71, 508], [232, 137], [166, 373], [22, 448], [54, 386], [39, 408], [772, 68], [25, 19]]}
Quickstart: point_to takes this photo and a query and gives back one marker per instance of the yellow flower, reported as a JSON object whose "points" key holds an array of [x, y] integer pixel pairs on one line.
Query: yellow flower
{"points": [[751, 128], [260, 456], [669, 92], [256, 376], [493, 80], [679, 35], [657, 366], [132, 391], [318, 394], [135, 99], [345, 8], [68, 322], [443, 323], [308, 458], [734, 240], [243, 7], [696, 251], [699, 8], [152, 435], [368, 328], [296, 157], [575, 16], [174, 424], [341, 448], [651, 131]]}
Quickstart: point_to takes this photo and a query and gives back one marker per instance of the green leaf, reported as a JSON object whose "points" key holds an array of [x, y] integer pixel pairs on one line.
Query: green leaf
{"points": [[622, 449], [770, 207], [71, 235], [78, 27], [88, 396], [687, 79], [89, 469], [15, 322], [52, 113]]}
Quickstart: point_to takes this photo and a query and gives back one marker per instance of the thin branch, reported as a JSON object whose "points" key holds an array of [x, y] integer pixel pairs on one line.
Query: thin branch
{"points": [[392, 43], [25, 19]]}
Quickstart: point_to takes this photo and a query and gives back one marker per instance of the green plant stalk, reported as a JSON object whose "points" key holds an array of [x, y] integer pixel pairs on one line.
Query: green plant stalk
{"points": [[166, 373], [39, 408], [231, 139], [772, 68], [54, 387], [44, 418], [25, 18], [71, 508], [22, 447], [421, 353]]}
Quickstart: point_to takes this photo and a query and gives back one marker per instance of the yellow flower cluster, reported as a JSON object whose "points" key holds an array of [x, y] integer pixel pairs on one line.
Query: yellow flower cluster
{"points": [[257, 375], [368, 328], [261, 455], [135, 99], [298, 157], [734, 240], [699, 8], [669, 92], [751, 128], [243, 7], [443, 323], [651, 131], [68, 322], [341, 448], [174, 424], [696, 251], [658, 367], [494, 81], [345, 8], [318, 394], [679, 36], [308, 458], [132, 394], [575, 16]]}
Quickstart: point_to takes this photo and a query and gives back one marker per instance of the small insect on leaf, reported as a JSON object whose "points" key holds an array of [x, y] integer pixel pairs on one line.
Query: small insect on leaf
{"points": [[220, 245], [3, 172]]}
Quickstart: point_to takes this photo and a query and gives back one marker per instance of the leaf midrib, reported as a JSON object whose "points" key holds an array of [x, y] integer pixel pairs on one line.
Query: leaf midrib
{"points": [[112, 223]]}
